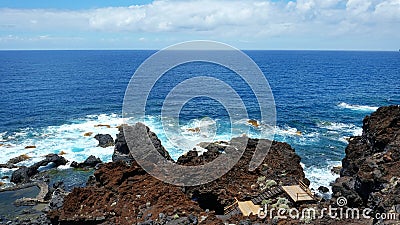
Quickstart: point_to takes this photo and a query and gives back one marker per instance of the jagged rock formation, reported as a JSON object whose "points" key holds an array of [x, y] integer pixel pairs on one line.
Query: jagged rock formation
{"points": [[121, 150], [123, 193], [90, 162], [24, 173], [105, 140], [281, 164], [371, 169]]}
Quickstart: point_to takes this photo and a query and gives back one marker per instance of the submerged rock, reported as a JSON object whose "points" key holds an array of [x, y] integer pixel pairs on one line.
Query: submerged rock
{"points": [[11, 163], [88, 134], [102, 125], [30, 146], [253, 122], [18, 159]]}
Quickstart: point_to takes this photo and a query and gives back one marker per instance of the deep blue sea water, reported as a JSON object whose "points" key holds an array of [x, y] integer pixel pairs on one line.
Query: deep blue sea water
{"points": [[51, 98]]}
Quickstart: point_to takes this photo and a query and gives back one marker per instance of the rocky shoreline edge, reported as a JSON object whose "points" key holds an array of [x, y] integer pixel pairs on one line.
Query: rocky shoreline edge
{"points": [[121, 192]]}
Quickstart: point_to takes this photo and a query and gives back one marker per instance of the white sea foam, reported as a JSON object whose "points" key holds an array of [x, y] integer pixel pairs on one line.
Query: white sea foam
{"points": [[287, 131], [180, 138], [296, 136], [357, 107], [335, 128], [321, 176], [2, 135], [68, 138]]}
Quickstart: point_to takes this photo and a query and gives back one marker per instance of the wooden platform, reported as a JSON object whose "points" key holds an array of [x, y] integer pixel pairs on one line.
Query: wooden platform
{"points": [[247, 208], [297, 193]]}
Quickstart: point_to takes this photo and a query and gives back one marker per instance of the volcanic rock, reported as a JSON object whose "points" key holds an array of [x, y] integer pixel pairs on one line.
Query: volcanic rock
{"points": [[121, 150], [105, 140], [281, 164], [323, 189], [371, 166], [91, 161], [121, 193], [18, 159], [24, 173]]}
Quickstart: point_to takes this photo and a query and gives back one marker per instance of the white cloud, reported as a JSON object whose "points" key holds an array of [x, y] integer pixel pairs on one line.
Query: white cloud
{"points": [[389, 11], [237, 19], [358, 6]]}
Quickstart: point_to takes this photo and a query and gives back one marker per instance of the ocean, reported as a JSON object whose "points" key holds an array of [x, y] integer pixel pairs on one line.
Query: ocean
{"points": [[50, 99]]}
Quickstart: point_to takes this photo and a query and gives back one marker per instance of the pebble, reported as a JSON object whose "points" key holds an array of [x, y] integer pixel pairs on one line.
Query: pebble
{"points": [[245, 222], [99, 218], [193, 219], [203, 218], [397, 207], [148, 222]]}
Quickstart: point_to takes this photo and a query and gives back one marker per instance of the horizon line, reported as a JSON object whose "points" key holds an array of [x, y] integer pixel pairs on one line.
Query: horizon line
{"points": [[138, 49]]}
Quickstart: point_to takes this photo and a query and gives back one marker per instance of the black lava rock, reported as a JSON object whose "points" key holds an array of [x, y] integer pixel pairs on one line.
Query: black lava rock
{"points": [[105, 140]]}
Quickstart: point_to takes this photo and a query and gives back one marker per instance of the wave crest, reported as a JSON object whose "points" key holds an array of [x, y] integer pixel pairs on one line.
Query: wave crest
{"points": [[357, 107]]}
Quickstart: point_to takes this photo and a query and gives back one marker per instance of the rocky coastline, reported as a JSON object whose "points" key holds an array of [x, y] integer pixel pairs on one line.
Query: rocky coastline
{"points": [[370, 177], [121, 192]]}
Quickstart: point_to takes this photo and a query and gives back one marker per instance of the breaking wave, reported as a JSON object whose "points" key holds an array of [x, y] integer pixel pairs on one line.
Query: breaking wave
{"points": [[357, 107]]}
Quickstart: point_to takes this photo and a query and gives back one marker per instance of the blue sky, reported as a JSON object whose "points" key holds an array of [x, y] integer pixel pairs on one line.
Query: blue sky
{"points": [[245, 24]]}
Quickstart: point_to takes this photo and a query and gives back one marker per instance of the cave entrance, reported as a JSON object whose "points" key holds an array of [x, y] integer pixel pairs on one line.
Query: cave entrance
{"points": [[209, 201]]}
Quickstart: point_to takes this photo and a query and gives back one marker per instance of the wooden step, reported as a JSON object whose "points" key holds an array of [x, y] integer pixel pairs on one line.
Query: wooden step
{"points": [[264, 196]]}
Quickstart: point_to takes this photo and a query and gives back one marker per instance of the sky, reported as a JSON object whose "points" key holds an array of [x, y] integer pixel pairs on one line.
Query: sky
{"points": [[245, 24]]}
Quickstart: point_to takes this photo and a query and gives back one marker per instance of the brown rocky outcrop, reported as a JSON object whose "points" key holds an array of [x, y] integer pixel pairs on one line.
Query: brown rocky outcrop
{"points": [[282, 164], [371, 169], [123, 193]]}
